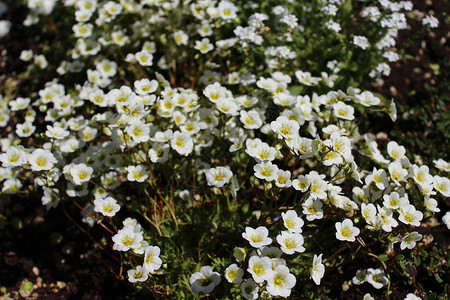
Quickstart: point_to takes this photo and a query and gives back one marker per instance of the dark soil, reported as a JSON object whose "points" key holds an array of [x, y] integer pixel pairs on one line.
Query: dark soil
{"points": [[47, 249]]}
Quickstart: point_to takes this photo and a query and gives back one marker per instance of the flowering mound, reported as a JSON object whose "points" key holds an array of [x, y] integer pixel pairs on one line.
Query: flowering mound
{"points": [[224, 146]]}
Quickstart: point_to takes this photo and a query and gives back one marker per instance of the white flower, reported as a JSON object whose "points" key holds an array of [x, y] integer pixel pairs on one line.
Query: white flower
{"points": [[312, 208], [281, 282], [431, 21], [251, 119], [302, 183], [106, 206], [215, 92], [368, 99], [260, 268], [409, 215], [392, 201], [379, 178], [267, 84], [81, 173], [40, 61], [442, 184], [19, 103], [139, 132], [227, 10], [87, 134], [290, 242], [396, 151], [152, 262], [142, 248], [431, 204], [204, 46], [180, 37], [13, 157], [137, 275], [11, 186], [258, 237], [332, 158], [446, 219], [127, 239], [283, 179], [41, 160], [162, 137], [343, 111], [397, 172], [249, 289], [137, 173], [261, 152], [145, 86], [204, 281], [107, 68], [285, 128], [318, 186], [361, 41], [369, 212], [270, 251], [239, 253], [292, 221], [234, 274], [218, 176], [411, 296], [386, 217], [227, 106], [26, 55], [144, 58], [360, 277], [182, 143], [368, 297], [376, 278], [159, 153], [113, 8], [306, 78], [409, 240], [318, 269], [345, 231], [121, 97], [267, 171], [442, 165], [392, 111]]}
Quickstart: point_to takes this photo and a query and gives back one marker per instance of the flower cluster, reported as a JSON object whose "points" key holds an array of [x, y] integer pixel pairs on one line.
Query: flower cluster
{"points": [[175, 125]]}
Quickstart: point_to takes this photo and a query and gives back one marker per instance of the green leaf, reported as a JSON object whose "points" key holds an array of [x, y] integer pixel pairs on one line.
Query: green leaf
{"points": [[383, 257], [27, 286], [56, 238], [417, 260], [402, 265], [438, 278]]}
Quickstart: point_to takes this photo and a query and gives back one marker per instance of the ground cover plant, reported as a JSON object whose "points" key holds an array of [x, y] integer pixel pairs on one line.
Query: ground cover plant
{"points": [[226, 149]]}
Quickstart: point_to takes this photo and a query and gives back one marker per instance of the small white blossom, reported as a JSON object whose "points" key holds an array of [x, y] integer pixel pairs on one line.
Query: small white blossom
{"points": [[281, 282], [234, 274], [218, 176], [137, 275], [409, 240], [258, 237], [249, 289], [152, 262], [204, 281], [106, 206], [127, 239], [345, 231], [318, 269]]}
